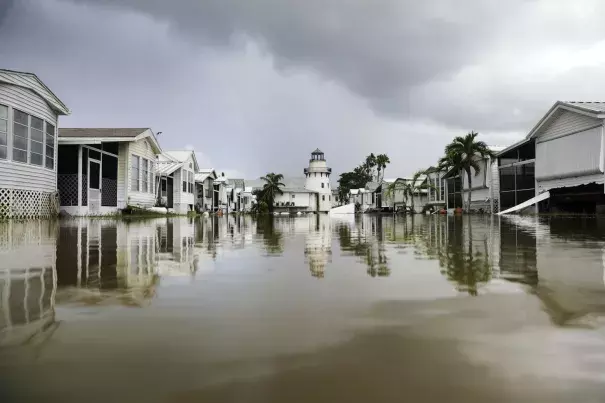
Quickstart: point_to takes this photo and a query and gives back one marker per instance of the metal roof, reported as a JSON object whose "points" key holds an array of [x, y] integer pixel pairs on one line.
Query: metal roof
{"points": [[200, 176], [596, 106], [101, 132], [372, 186], [317, 151], [166, 168]]}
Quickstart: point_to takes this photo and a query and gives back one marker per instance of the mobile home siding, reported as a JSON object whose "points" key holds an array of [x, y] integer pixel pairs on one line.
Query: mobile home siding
{"points": [[18, 175], [26, 82], [143, 149], [568, 122], [123, 175]]}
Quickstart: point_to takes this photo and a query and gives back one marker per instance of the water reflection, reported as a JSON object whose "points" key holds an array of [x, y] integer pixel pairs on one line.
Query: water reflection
{"points": [[234, 303], [105, 262], [28, 281]]}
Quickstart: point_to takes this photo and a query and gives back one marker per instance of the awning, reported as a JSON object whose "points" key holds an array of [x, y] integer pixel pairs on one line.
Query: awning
{"points": [[539, 198], [166, 168]]}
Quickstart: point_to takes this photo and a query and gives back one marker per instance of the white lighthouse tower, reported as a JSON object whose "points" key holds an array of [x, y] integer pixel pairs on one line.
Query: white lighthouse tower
{"points": [[318, 180]]}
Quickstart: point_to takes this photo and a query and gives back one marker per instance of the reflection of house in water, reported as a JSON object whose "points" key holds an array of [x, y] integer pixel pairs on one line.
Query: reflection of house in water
{"points": [[176, 239], [27, 280], [318, 244], [570, 257], [101, 259], [517, 249]]}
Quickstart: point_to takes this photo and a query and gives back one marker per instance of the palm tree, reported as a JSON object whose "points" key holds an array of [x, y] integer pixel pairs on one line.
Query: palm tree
{"points": [[462, 154], [409, 188], [381, 164], [415, 186], [272, 188], [369, 164]]}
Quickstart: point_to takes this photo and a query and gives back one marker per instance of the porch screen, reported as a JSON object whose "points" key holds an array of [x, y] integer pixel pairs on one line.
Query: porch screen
{"points": [[570, 156], [109, 187]]}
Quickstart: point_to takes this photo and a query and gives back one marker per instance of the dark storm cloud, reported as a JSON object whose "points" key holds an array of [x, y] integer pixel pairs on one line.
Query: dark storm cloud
{"points": [[378, 49], [5, 8], [243, 80]]}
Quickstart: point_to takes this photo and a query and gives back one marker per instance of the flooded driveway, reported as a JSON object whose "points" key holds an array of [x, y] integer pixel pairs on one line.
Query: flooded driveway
{"points": [[307, 309]]}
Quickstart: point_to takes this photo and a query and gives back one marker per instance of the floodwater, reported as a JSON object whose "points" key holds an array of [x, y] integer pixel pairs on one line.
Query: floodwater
{"points": [[306, 309]]}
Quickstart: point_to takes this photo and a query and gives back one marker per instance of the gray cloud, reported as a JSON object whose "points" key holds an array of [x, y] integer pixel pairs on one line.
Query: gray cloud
{"points": [[379, 49], [254, 85]]}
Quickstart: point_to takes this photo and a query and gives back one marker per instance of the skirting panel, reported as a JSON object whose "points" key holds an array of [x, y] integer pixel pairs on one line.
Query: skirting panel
{"points": [[16, 203]]}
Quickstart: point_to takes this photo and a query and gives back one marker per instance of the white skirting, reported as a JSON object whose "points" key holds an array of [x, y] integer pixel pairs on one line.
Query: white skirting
{"points": [[17, 203]]}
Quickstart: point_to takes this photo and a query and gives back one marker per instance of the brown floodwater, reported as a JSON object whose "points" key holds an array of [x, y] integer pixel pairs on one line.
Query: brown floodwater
{"points": [[305, 309]]}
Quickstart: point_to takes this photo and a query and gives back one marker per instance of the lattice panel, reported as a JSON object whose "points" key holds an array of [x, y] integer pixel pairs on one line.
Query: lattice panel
{"points": [[109, 192], [85, 190], [68, 189], [27, 203]]}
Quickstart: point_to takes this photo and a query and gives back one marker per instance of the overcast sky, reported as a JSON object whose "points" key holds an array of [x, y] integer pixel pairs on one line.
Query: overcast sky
{"points": [[256, 85]]}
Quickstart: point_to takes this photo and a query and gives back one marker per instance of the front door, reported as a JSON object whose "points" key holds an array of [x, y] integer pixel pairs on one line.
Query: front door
{"points": [[94, 186]]}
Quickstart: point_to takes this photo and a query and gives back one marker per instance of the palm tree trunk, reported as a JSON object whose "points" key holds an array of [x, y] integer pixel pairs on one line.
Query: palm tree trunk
{"points": [[470, 187]]}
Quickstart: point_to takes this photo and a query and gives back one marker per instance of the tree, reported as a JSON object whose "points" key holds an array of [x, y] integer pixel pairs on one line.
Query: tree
{"points": [[370, 164], [462, 154], [271, 188], [381, 164]]}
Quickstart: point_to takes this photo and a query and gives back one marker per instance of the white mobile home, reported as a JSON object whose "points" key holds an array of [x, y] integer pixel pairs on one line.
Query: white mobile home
{"points": [[29, 113], [436, 188], [569, 157], [176, 180], [485, 185], [204, 183], [101, 171], [398, 198]]}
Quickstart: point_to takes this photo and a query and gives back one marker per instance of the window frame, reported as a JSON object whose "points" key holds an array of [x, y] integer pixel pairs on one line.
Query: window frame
{"points": [[137, 158], [26, 138], [41, 142], [46, 145], [144, 175], [7, 119]]}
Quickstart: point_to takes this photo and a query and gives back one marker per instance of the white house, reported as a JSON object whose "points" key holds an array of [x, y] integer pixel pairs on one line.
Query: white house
{"points": [[222, 193], [398, 199], [204, 181], [29, 113], [485, 185], [311, 193], [176, 180], [436, 188], [103, 170], [569, 157]]}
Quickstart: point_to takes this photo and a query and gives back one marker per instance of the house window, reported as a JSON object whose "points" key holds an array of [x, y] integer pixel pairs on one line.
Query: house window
{"points": [[293, 196], [322, 185], [185, 176], [135, 173], [191, 182], [323, 197], [36, 144], [329, 198], [50, 146], [151, 177], [20, 129], [3, 131], [145, 176]]}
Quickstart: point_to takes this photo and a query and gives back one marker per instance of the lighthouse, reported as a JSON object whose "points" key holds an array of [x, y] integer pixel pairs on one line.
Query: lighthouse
{"points": [[318, 180]]}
